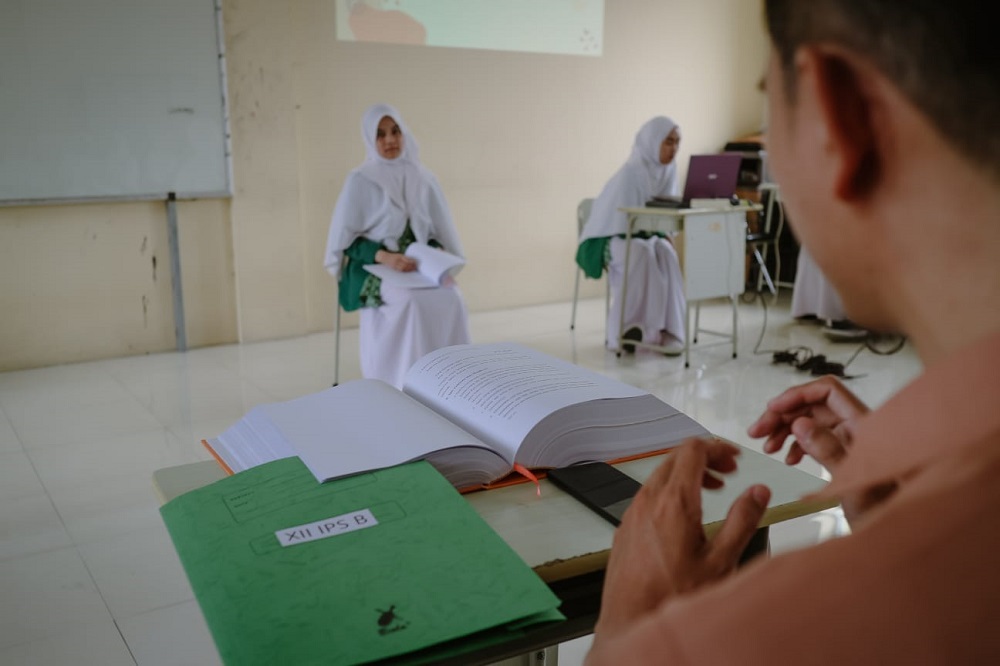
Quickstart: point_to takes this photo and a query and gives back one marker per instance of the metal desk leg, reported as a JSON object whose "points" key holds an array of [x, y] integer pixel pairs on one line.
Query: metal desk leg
{"points": [[736, 328], [687, 337], [697, 320], [624, 292]]}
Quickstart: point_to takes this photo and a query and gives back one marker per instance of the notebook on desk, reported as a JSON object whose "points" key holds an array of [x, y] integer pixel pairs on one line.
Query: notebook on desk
{"points": [[364, 568], [708, 177]]}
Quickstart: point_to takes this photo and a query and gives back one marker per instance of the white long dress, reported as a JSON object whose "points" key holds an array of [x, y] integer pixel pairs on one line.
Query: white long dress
{"points": [[410, 324], [377, 201], [655, 302], [812, 294]]}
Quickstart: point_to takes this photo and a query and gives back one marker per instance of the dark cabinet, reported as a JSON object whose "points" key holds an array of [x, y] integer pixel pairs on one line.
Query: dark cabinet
{"points": [[754, 172]]}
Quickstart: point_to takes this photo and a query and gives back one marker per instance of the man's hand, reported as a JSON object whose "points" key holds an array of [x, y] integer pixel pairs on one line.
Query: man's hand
{"points": [[660, 550], [395, 260], [822, 416]]}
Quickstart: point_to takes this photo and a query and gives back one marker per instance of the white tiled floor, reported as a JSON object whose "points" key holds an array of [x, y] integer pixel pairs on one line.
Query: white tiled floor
{"points": [[87, 571]]}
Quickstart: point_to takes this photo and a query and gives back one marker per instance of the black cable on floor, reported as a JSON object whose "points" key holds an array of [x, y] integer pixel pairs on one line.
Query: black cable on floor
{"points": [[803, 358]]}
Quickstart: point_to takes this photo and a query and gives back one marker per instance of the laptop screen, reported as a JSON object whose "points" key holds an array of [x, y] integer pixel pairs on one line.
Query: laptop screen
{"points": [[712, 176]]}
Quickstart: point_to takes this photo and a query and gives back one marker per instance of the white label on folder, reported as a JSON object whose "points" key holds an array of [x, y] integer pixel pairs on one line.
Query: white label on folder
{"points": [[321, 529]]}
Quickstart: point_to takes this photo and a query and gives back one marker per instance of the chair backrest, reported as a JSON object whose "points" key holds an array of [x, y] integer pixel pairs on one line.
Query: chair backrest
{"points": [[583, 213]]}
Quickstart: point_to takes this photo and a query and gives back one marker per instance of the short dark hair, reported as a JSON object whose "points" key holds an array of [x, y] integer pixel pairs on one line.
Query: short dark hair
{"points": [[942, 54]]}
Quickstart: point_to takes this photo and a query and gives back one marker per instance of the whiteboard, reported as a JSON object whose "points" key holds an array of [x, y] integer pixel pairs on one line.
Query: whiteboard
{"points": [[111, 99]]}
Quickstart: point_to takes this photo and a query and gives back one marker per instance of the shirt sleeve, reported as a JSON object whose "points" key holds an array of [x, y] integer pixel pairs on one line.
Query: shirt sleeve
{"points": [[590, 256], [354, 276], [363, 251]]}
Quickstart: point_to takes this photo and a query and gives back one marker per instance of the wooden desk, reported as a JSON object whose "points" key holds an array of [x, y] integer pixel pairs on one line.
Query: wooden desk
{"points": [[714, 252], [566, 543]]}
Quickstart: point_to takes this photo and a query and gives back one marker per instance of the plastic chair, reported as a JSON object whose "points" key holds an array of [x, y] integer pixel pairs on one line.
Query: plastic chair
{"points": [[762, 241], [582, 215]]}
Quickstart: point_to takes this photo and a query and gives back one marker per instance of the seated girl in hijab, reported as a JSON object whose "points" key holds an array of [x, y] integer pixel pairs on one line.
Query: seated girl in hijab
{"points": [[388, 202], [655, 303]]}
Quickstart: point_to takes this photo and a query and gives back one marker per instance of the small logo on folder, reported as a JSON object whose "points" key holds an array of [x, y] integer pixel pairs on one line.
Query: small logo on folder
{"points": [[389, 622]]}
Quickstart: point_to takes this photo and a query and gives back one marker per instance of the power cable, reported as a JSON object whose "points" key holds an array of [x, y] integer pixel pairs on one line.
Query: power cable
{"points": [[805, 359]]}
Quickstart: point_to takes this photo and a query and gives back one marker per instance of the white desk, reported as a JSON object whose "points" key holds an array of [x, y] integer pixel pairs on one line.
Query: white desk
{"points": [[555, 534], [568, 545], [714, 254]]}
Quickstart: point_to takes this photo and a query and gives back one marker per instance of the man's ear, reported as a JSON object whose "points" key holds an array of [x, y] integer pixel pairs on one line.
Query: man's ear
{"points": [[845, 111]]}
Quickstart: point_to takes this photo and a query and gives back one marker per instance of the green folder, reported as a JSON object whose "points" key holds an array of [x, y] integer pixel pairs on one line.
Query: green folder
{"points": [[373, 566]]}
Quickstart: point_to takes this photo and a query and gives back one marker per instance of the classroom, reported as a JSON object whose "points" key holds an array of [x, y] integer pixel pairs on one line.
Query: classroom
{"points": [[95, 395], [517, 139]]}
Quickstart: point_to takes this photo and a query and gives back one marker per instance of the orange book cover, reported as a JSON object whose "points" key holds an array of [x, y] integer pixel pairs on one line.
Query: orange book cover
{"points": [[217, 457], [514, 478]]}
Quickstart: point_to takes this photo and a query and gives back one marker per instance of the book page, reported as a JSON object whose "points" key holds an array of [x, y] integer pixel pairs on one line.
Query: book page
{"points": [[434, 266], [434, 262], [408, 280], [366, 424], [499, 392]]}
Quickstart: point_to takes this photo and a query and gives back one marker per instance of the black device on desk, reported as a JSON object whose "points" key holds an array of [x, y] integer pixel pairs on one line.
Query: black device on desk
{"points": [[665, 202], [599, 486]]}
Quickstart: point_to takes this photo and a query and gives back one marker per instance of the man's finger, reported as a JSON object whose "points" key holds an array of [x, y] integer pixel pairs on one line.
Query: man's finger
{"points": [[814, 392], [777, 439], [681, 505], [820, 443], [721, 455], [779, 423], [741, 522], [659, 477], [795, 454], [765, 424], [690, 463], [663, 473]]}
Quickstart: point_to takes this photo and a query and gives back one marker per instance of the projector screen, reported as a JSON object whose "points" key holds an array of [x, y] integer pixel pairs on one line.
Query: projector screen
{"points": [[574, 27]]}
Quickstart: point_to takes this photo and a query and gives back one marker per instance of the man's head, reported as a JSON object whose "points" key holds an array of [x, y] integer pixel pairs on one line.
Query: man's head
{"points": [[877, 107], [943, 56]]}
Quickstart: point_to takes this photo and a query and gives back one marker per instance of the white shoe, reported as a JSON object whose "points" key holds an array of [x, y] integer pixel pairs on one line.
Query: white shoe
{"points": [[844, 332], [672, 346]]}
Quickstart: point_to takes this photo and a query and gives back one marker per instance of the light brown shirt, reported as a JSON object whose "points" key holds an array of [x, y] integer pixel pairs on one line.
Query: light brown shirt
{"points": [[917, 582]]}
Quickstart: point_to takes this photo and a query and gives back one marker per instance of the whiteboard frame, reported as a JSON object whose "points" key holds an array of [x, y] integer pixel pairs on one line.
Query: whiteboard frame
{"points": [[190, 195]]}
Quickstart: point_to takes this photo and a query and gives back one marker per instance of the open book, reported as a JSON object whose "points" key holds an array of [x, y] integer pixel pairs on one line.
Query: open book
{"points": [[434, 267], [473, 411]]}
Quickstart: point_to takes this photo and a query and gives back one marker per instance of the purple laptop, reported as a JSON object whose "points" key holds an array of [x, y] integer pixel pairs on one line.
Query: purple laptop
{"points": [[712, 176], [708, 177]]}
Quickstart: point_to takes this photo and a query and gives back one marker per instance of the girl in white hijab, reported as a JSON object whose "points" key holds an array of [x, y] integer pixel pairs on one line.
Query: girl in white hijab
{"points": [[655, 304], [386, 203]]}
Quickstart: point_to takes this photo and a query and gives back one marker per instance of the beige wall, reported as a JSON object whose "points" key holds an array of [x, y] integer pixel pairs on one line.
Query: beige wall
{"points": [[516, 140], [80, 282]]}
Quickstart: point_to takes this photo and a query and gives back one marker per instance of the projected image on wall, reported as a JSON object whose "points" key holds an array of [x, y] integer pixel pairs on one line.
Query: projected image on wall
{"points": [[574, 27]]}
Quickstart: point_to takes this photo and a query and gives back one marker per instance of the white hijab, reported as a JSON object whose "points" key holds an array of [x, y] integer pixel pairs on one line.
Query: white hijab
{"points": [[401, 176], [411, 193], [641, 178]]}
